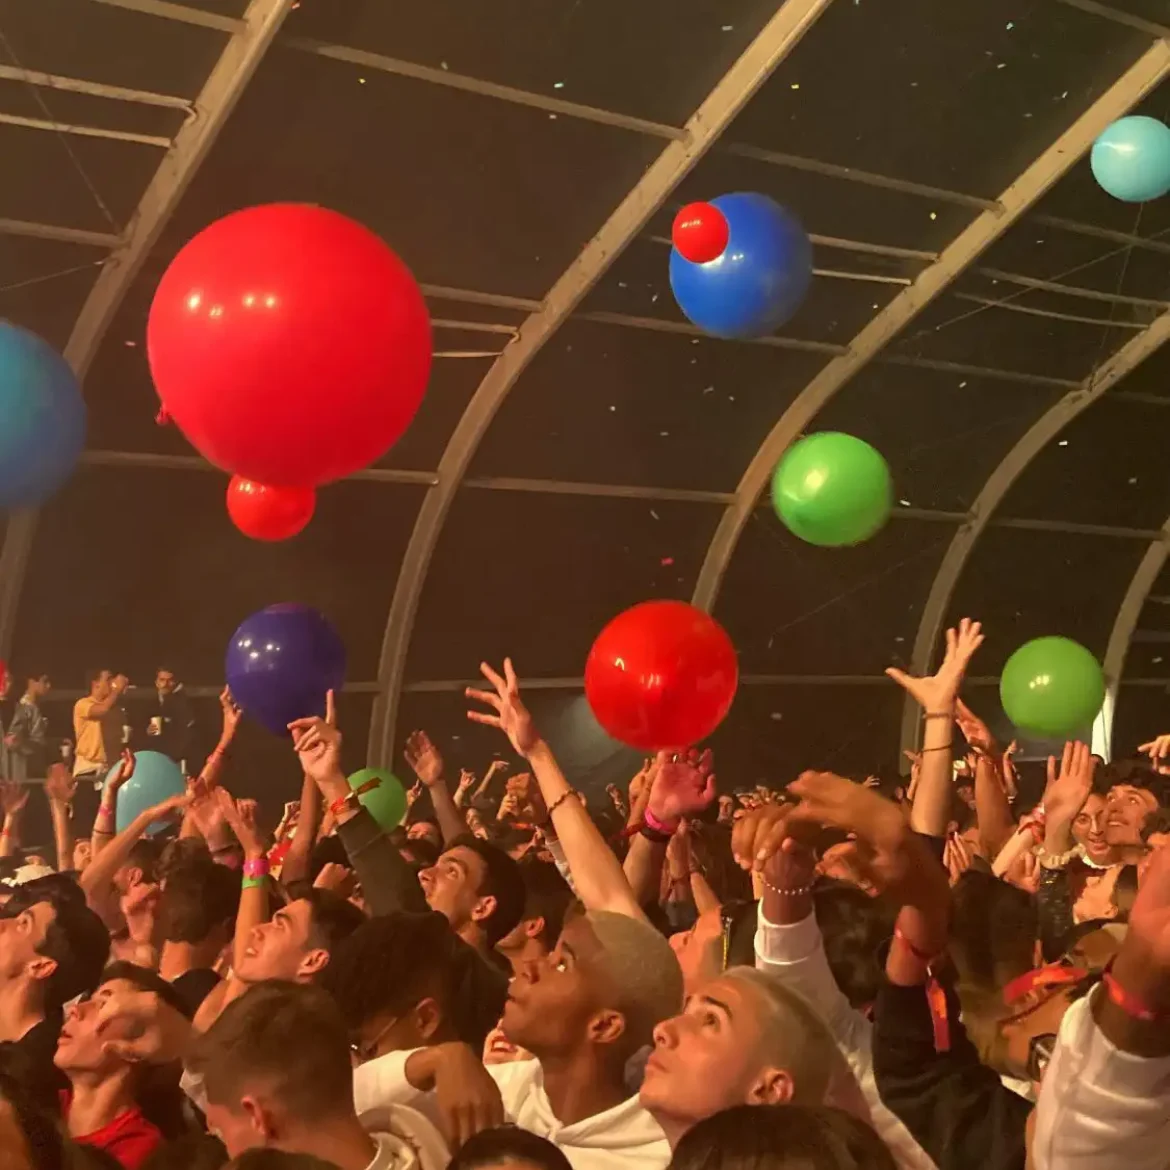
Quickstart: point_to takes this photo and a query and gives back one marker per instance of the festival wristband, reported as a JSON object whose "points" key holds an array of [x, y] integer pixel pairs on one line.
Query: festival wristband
{"points": [[256, 867], [253, 883], [936, 998], [1127, 1002], [651, 822]]}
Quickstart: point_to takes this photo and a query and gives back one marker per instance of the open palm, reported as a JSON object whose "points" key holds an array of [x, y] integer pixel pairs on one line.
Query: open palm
{"points": [[937, 692]]}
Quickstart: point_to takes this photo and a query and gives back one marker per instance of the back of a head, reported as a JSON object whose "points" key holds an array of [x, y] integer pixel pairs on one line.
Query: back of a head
{"points": [[853, 926], [781, 1137], [390, 963], [642, 972], [331, 917], [199, 896], [993, 930], [547, 896], [502, 881], [268, 1159], [793, 1036], [508, 1145], [196, 1151], [284, 1041]]}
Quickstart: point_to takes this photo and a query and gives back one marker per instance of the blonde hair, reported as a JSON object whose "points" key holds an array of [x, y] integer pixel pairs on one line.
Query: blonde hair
{"points": [[793, 1036]]}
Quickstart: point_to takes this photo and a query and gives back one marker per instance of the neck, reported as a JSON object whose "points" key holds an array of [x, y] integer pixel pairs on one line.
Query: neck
{"points": [[578, 1085], [97, 1100], [19, 1010], [343, 1143], [673, 1127], [28, 697], [180, 957], [474, 937]]}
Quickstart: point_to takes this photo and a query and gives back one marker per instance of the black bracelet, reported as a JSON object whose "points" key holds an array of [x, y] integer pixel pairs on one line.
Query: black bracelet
{"points": [[659, 838]]}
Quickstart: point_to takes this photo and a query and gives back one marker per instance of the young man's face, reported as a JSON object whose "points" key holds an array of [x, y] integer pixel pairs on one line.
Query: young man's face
{"points": [[453, 883], [20, 938], [1126, 809], [80, 1046], [38, 688], [100, 687], [164, 682], [280, 948]]}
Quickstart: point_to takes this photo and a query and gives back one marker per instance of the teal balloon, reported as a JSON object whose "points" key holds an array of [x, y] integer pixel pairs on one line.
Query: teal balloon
{"points": [[1052, 687], [1131, 159], [832, 489], [387, 802], [156, 777]]}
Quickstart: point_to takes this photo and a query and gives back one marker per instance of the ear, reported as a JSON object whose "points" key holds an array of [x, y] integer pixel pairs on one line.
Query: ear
{"points": [[534, 927], [428, 1018], [134, 876], [41, 967], [606, 1027], [773, 1086], [313, 963], [261, 1119], [484, 908]]}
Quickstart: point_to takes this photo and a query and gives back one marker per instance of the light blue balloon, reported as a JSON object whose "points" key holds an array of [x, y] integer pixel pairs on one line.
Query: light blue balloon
{"points": [[156, 777], [42, 419], [1131, 159]]}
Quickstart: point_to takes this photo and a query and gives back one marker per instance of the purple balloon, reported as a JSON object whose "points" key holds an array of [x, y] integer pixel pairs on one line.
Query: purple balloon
{"points": [[280, 663]]}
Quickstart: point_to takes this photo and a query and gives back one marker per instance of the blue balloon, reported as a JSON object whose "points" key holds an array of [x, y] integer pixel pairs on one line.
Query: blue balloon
{"points": [[1131, 159], [42, 419], [280, 663], [758, 282], [156, 777]]}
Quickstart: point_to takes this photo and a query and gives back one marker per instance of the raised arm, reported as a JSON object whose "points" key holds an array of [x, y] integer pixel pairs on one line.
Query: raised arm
{"points": [[296, 860], [60, 788], [937, 693], [103, 823], [596, 871], [993, 810], [426, 762], [13, 798]]}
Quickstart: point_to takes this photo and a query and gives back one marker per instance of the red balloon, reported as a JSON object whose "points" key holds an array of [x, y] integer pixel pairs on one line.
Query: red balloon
{"points": [[269, 513], [700, 233], [661, 675], [289, 344]]}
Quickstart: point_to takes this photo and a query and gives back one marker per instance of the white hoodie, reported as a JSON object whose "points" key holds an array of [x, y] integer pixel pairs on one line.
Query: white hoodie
{"points": [[625, 1136]]}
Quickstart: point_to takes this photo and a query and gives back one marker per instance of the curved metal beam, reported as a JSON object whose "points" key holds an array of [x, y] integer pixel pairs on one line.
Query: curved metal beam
{"points": [[1124, 625], [1035, 439], [932, 281], [775, 41], [232, 72]]}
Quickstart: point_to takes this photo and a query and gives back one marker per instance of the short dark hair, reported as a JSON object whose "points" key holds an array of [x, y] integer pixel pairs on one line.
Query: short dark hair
{"points": [[144, 979], [546, 895], [1139, 774], [263, 1158], [146, 854], [424, 853], [198, 896], [76, 939], [854, 926], [751, 1137], [506, 1143], [501, 881], [391, 962], [94, 673], [289, 1036], [331, 918], [1156, 822]]}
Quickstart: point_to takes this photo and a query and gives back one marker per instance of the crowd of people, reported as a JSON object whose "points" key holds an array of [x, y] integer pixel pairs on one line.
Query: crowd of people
{"points": [[822, 974]]}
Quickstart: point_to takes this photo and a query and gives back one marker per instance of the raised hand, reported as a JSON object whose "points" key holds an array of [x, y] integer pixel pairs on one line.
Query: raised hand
{"points": [[424, 758], [139, 906], [60, 786], [413, 793], [936, 693], [240, 816], [317, 743], [682, 785], [152, 1032], [115, 780], [1008, 772], [466, 780], [975, 731], [511, 716], [13, 797], [1069, 788], [232, 714]]}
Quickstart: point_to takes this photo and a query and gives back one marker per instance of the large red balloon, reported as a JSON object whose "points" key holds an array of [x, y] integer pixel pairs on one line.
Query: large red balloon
{"points": [[289, 344], [661, 675], [269, 513], [700, 233]]}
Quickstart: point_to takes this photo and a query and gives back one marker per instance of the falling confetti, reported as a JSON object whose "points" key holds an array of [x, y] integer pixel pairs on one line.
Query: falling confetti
{"points": [[708, 389], [1002, 65], [778, 715], [443, 65], [728, 27], [1010, 25], [131, 344], [796, 85], [664, 434], [934, 215], [361, 81], [552, 117], [558, 85], [962, 385], [667, 561], [653, 513], [904, 503], [1063, 443], [613, 408], [1133, 480]]}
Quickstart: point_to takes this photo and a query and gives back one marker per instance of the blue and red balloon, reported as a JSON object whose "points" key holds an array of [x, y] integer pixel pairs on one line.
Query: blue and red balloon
{"points": [[756, 281]]}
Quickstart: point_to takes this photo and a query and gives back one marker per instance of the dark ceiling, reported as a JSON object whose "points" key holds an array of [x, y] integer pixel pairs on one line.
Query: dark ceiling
{"points": [[487, 141]]}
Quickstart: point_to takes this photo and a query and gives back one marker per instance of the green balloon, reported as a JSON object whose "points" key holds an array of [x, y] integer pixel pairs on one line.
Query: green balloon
{"points": [[1052, 687], [386, 803], [832, 489]]}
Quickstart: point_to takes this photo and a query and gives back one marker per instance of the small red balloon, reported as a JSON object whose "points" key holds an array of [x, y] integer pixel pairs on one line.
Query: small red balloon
{"points": [[700, 233], [661, 675], [289, 344], [269, 513]]}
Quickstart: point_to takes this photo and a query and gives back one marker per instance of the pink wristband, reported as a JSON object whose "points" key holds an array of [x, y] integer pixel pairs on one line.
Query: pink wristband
{"points": [[256, 867], [652, 822]]}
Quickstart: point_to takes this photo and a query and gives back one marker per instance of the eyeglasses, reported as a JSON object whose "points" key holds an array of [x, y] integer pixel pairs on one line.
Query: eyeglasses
{"points": [[363, 1052]]}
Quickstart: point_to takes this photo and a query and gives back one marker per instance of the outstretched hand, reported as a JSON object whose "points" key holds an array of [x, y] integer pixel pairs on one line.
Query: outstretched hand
{"points": [[936, 693], [681, 785], [1069, 788], [424, 758], [317, 743], [511, 716]]}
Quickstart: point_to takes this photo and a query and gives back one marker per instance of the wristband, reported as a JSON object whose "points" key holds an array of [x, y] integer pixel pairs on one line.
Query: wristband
{"points": [[253, 883], [557, 804], [650, 821], [651, 834], [256, 867], [936, 998], [1128, 1003], [348, 801], [938, 715]]}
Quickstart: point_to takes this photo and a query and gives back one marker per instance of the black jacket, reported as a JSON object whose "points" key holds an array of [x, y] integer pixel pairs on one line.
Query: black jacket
{"points": [[178, 725]]}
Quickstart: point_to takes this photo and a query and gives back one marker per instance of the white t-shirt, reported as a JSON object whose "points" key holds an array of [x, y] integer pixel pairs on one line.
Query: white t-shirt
{"points": [[625, 1137]]}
